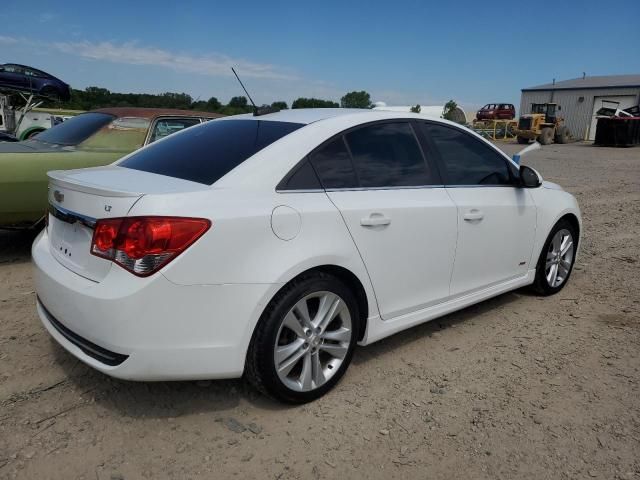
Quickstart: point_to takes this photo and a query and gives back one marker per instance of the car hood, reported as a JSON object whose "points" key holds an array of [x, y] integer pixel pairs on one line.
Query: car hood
{"points": [[32, 146]]}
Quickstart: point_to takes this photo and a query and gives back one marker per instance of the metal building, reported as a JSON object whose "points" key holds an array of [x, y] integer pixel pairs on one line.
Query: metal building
{"points": [[581, 98]]}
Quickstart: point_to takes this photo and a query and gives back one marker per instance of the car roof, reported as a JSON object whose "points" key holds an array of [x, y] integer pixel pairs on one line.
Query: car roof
{"points": [[154, 112], [34, 69], [303, 115], [268, 166]]}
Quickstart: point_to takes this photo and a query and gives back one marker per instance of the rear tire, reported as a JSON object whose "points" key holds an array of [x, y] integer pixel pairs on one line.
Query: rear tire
{"points": [[523, 141], [296, 354], [554, 267], [546, 136]]}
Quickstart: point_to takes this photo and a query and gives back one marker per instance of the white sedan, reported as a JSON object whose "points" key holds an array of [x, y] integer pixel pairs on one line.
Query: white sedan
{"points": [[270, 245]]}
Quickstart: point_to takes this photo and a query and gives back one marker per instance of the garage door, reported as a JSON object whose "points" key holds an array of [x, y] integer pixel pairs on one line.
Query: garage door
{"points": [[623, 101]]}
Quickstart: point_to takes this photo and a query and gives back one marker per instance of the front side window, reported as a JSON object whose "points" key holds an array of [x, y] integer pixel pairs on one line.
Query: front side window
{"points": [[206, 153], [388, 155], [166, 126], [465, 160]]}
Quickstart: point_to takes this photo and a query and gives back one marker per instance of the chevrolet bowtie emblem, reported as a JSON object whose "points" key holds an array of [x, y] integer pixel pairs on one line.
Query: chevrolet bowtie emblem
{"points": [[58, 195]]}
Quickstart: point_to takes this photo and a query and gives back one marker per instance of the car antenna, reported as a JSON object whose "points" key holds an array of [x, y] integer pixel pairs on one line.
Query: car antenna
{"points": [[256, 111]]}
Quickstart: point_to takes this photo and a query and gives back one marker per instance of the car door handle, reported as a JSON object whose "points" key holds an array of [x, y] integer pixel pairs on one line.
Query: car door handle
{"points": [[473, 215], [375, 220]]}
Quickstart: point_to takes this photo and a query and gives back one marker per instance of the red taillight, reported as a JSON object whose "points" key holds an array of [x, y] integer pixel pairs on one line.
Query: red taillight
{"points": [[143, 245]]}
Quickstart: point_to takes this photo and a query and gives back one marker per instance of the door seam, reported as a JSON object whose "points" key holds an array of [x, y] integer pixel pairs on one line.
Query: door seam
{"points": [[373, 289], [455, 250]]}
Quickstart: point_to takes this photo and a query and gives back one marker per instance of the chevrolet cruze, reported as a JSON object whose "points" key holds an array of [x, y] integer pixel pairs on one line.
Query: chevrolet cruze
{"points": [[269, 246]]}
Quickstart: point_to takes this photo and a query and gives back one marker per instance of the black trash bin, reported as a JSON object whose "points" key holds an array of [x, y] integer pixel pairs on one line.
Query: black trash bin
{"points": [[618, 132]]}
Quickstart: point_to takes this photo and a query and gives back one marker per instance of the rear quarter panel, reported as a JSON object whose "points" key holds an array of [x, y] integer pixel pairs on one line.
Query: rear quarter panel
{"points": [[241, 246]]}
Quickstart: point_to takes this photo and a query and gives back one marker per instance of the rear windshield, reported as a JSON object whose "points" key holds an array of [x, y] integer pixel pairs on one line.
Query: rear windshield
{"points": [[76, 129], [206, 153]]}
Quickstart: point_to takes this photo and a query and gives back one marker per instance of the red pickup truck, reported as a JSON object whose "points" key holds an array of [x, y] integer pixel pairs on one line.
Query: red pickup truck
{"points": [[496, 111]]}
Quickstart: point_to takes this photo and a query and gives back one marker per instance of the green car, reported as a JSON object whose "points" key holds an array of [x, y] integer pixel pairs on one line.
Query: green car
{"points": [[95, 138]]}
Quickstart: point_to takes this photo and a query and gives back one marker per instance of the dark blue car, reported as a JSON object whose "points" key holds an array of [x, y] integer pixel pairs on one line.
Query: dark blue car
{"points": [[31, 80]]}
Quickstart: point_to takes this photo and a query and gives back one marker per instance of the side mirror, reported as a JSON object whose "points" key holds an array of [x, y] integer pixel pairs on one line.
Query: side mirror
{"points": [[529, 178]]}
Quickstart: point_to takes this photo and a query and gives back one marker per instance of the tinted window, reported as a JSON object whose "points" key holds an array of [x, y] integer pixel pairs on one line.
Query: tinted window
{"points": [[302, 178], [13, 69], [333, 165], [387, 155], [205, 153], [76, 129], [466, 160], [124, 134], [34, 73], [166, 126]]}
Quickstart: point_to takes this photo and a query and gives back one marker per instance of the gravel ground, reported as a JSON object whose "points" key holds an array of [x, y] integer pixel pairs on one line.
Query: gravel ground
{"points": [[516, 387]]}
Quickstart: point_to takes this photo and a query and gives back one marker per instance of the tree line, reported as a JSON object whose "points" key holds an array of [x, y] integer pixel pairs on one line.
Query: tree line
{"points": [[96, 97]]}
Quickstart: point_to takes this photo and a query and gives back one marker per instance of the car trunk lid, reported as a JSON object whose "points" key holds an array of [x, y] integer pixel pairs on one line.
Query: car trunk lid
{"points": [[78, 198]]}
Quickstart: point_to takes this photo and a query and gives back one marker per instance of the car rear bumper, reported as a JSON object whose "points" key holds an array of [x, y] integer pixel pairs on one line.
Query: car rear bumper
{"points": [[147, 329]]}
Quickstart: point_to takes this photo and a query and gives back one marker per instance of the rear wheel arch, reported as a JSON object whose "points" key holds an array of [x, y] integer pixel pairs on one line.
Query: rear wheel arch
{"points": [[356, 286], [260, 367], [348, 278]]}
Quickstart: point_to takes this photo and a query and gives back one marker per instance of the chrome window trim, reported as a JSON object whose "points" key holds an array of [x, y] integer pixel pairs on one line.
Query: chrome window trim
{"points": [[364, 189], [505, 185], [302, 190]]}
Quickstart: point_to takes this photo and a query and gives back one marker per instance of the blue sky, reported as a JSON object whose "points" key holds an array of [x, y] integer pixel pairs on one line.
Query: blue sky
{"points": [[402, 52]]}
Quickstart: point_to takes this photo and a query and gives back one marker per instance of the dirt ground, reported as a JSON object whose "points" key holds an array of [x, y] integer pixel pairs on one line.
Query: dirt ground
{"points": [[516, 387]]}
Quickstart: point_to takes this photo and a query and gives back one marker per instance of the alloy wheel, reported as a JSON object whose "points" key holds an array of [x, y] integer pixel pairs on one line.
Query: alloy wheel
{"points": [[559, 258], [313, 341]]}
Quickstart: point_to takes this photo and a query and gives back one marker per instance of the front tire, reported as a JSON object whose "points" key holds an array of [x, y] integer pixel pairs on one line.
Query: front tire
{"points": [[523, 140], [304, 340], [546, 136], [556, 259]]}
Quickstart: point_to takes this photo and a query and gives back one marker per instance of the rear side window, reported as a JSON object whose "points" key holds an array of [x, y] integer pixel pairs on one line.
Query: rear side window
{"points": [[204, 154], [302, 178], [388, 155], [465, 159], [333, 165], [76, 129]]}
